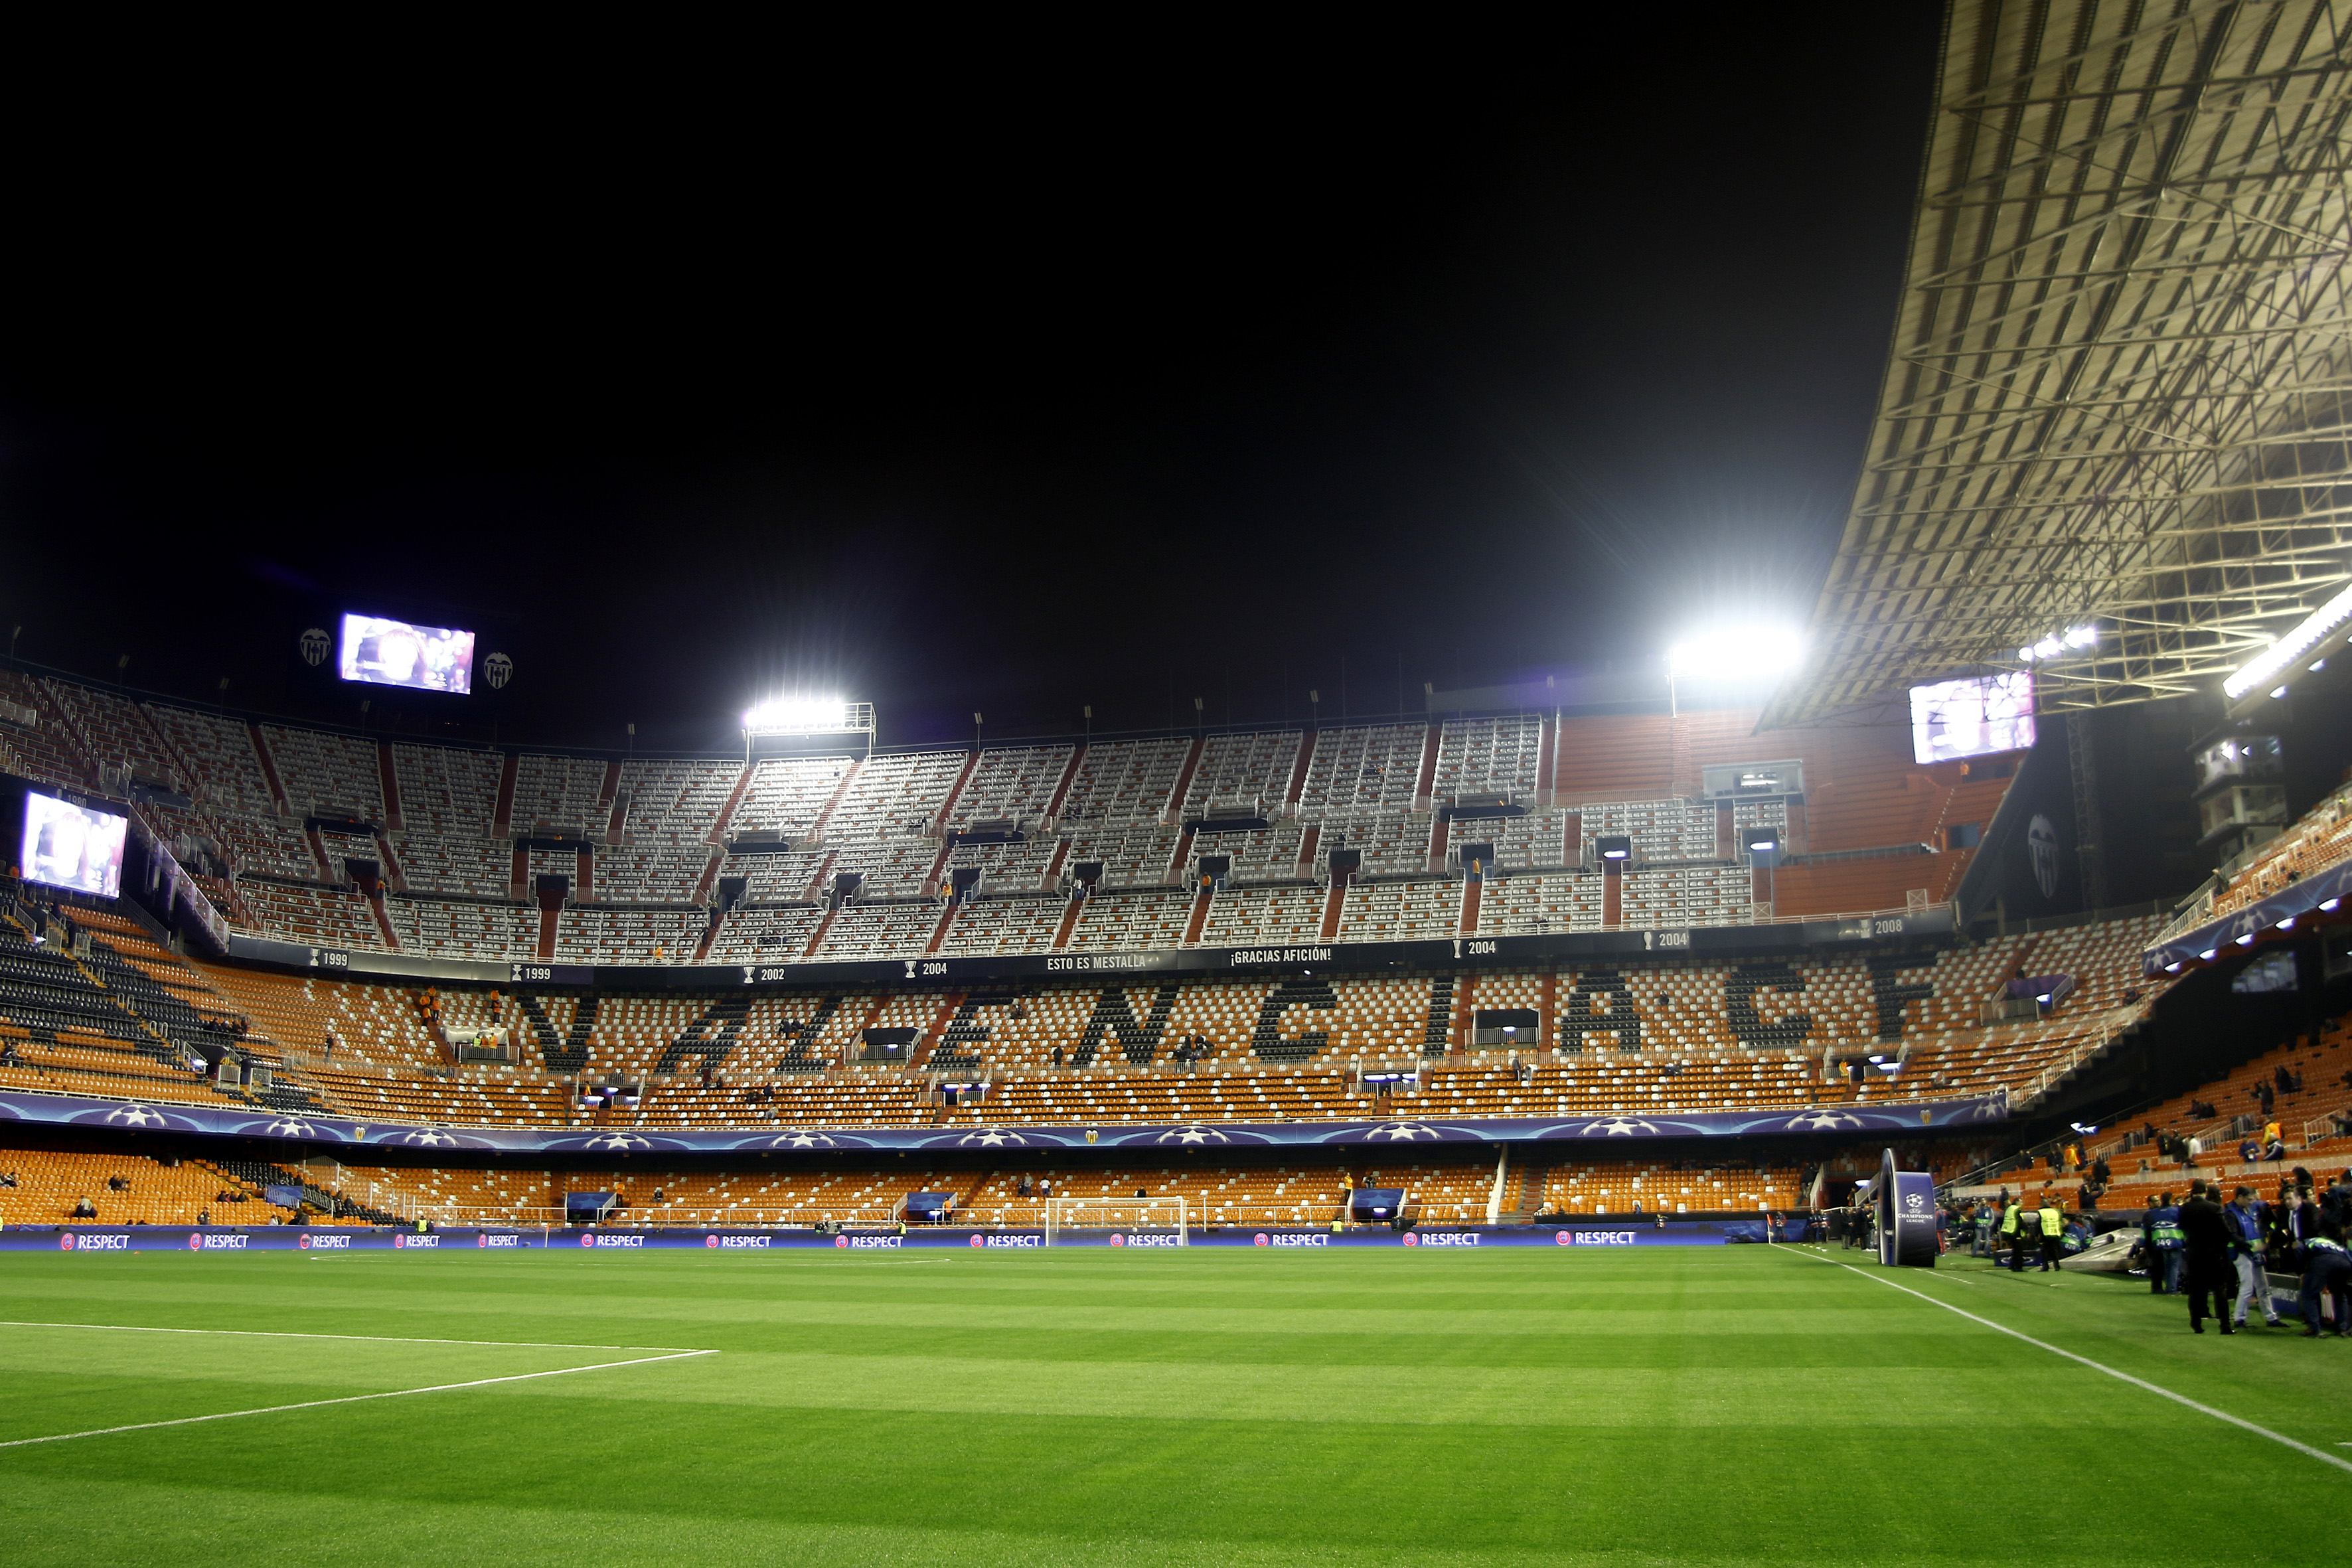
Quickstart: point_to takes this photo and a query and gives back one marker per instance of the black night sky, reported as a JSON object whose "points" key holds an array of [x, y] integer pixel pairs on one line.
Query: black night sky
{"points": [[950, 385]]}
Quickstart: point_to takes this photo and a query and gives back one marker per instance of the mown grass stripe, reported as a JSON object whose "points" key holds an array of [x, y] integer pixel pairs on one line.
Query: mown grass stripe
{"points": [[346, 1399]]}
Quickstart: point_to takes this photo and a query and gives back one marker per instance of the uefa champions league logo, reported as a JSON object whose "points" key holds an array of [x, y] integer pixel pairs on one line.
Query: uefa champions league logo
{"points": [[314, 646]]}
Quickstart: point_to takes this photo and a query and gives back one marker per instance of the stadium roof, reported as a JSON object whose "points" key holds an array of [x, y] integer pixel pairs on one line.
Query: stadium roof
{"points": [[2120, 390]]}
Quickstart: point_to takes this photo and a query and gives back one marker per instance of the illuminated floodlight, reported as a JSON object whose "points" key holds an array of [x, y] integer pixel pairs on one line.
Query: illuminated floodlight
{"points": [[2330, 905], [2056, 643], [806, 716], [1614, 847], [2290, 647], [1737, 653]]}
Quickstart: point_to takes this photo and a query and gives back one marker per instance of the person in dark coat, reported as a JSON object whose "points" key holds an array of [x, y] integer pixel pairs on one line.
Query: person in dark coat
{"points": [[2205, 1235]]}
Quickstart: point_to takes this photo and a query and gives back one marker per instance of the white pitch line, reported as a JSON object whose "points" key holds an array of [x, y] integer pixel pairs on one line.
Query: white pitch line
{"points": [[2319, 1453], [346, 1399], [371, 1339]]}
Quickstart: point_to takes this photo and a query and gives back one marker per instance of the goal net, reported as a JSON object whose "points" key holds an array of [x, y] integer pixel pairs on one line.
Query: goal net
{"points": [[1160, 1216]]}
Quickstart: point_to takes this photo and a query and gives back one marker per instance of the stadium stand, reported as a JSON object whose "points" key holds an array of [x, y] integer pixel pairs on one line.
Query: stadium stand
{"points": [[557, 794], [1125, 782], [327, 774], [126, 1189], [1011, 785], [2319, 840]]}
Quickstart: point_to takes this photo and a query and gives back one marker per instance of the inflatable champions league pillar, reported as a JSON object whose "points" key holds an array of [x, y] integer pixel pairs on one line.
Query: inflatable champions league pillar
{"points": [[1906, 1216]]}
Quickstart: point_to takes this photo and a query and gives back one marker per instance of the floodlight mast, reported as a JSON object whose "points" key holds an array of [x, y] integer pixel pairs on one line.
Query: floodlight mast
{"points": [[797, 717]]}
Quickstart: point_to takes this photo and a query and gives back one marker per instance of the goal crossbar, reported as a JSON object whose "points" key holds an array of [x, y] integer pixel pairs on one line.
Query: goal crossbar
{"points": [[1168, 1216]]}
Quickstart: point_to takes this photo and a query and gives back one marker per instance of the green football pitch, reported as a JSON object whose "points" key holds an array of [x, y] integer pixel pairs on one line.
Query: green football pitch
{"points": [[1219, 1406]]}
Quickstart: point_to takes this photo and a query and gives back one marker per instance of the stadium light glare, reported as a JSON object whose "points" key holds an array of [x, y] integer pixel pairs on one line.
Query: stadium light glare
{"points": [[787, 715], [2290, 646], [2057, 643], [1737, 652]]}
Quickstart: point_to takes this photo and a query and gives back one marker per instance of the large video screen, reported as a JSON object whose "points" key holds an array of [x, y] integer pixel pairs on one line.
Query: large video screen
{"points": [[382, 651], [1955, 718], [69, 846]]}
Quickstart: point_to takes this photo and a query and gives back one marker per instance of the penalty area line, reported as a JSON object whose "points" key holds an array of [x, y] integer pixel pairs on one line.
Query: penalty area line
{"points": [[345, 1399], [2158, 1389], [371, 1338]]}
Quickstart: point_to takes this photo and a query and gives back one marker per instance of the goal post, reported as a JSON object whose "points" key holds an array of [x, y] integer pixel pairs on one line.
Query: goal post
{"points": [[1161, 1216]]}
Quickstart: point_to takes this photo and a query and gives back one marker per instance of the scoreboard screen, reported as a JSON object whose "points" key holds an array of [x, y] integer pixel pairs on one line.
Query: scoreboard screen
{"points": [[380, 651]]}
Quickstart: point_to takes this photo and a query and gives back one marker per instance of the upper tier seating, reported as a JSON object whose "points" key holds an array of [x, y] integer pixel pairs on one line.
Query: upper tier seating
{"points": [[785, 879], [1253, 767], [1133, 854], [330, 917], [446, 792], [43, 748], [1526, 905], [1133, 920], [1015, 782], [599, 935], [219, 751], [787, 793], [478, 868], [1267, 854], [1250, 917], [764, 936], [327, 774], [675, 804], [2321, 839], [1124, 782], [873, 818], [1006, 925], [1006, 867], [1661, 830], [1538, 839], [1490, 756], [881, 931], [893, 798], [557, 795], [1400, 912], [657, 873], [1357, 771], [893, 868], [1393, 843], [495, 932]]}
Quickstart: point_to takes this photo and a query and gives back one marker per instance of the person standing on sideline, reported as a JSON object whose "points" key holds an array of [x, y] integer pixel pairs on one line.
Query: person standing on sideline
{"points": [[2205, 1239], [2012, 1234], [2160, 1233], [2052, 1228], [2247, 1222]]}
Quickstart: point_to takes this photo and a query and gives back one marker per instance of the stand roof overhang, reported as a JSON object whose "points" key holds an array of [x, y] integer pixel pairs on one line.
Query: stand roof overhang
{"points": [[2120, 387]]}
